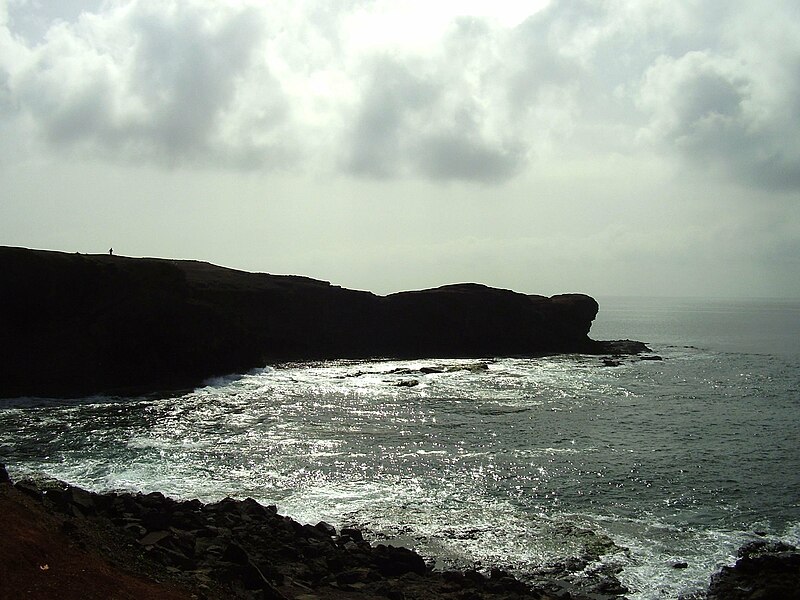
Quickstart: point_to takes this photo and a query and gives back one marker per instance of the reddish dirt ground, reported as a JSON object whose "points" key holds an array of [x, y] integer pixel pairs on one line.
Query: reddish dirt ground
{"points": [[39, 561]]}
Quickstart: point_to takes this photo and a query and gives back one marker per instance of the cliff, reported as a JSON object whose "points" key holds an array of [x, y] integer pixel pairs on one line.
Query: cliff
{"points": [[75, 325]]}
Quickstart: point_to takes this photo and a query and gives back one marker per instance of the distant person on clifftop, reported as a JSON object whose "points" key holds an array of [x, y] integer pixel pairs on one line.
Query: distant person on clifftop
{"points": [[111, 252]]}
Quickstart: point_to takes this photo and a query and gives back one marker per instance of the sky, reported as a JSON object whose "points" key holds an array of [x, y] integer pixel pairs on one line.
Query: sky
{"points": [[610, 147]]}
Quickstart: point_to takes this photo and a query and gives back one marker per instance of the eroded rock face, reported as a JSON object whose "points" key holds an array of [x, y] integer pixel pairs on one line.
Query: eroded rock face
{"points": [[83, 324]]}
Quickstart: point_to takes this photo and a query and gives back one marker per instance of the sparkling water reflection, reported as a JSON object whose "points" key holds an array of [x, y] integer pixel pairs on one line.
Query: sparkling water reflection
{"points": [[470, 462]]}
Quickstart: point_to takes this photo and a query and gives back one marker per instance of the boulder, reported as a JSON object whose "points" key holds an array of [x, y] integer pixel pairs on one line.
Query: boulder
{"points": [[764, 570]]}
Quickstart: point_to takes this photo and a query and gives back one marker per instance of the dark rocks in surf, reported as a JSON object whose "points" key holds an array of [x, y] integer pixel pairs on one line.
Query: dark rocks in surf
{"points": [[764, 570], [241, 549], [84, 324], [584, 575]]}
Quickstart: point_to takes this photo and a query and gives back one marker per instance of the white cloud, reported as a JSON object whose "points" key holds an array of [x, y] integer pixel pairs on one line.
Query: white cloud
{"points": [[733, 107], [161, 82], [474, 91]]}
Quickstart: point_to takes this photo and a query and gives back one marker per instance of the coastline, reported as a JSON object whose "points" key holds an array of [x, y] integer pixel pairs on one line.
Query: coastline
{"points": [[60, 541], [228, 549], [128, 326]]}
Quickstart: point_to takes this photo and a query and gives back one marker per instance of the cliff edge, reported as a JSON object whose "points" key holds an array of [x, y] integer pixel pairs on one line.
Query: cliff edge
{"points": [[76, 325]]}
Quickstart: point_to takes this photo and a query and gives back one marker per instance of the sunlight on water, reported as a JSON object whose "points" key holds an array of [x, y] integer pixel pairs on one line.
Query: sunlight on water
{"points": [[472, 462]]}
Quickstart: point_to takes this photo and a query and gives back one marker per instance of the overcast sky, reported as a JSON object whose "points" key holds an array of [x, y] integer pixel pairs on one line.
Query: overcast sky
{"points": [[620, 147]]}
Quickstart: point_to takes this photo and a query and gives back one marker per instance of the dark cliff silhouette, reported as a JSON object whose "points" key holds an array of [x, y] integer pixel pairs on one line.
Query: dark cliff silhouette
{"points": [[75, 325]]}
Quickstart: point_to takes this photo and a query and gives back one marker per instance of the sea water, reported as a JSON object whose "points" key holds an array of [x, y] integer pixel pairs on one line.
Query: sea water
{"points": [[483, 463]]}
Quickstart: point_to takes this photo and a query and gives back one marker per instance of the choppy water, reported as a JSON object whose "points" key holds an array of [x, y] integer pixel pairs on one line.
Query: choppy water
{"points": [[676, 460]]}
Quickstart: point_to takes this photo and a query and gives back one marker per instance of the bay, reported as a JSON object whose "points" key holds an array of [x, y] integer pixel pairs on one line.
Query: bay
{"points": [[484, 463]]}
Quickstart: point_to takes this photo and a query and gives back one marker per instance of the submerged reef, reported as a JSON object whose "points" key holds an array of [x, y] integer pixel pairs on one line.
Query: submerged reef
{"points": [[78, 325]]}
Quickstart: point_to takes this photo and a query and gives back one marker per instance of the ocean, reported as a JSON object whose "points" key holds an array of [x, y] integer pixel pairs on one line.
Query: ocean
{"points": [[482, 463]]}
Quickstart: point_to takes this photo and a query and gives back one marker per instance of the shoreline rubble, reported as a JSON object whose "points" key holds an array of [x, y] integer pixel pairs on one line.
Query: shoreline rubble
{"points": [[244, 550]]}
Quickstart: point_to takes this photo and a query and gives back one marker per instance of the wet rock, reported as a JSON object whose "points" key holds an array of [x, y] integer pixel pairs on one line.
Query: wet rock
{"points": [[764, 570], [407, 383], [29, 488], [395, 560], [761, 547], [82, 499], [153, 500], [4, 478], [326, 528], [351, 533]]}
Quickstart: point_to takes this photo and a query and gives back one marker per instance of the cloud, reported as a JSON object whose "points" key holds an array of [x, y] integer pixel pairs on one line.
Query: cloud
{"points": [[394, 102], [712, 110], [302, 85], [734, 107], [161, 82], [414, 120]]}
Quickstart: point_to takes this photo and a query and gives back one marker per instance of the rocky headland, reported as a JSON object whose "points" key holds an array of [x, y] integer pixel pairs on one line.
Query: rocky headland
{"points": [[77, 325]]}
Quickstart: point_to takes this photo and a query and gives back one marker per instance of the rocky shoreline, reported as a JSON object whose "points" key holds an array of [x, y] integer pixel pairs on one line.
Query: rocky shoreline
{"points": [[241, 549]]}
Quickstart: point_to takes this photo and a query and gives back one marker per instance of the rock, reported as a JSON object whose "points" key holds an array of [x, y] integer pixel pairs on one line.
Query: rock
{"points": [[354, 576], [154, 520], [764, 570], [407, 383], [352, 533], [153, 538], [395, 560], [122, 325], [680, 565], [29, 488], [81, 498], [619, 347], [235, 554], [761, 547], [326, 528], [248, 550], [4, 478]]}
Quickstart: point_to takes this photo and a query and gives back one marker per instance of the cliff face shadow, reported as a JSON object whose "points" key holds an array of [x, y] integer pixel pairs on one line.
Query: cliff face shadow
{"points": [[85, 324]]}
